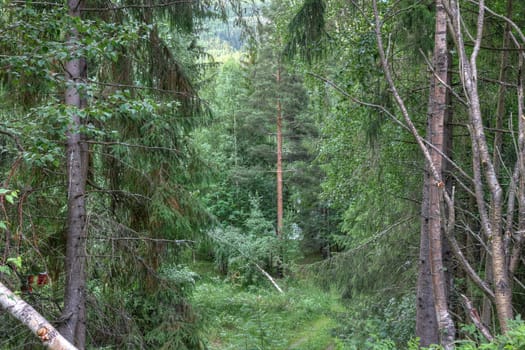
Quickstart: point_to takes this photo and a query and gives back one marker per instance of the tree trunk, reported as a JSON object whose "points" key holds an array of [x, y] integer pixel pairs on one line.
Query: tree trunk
{"points": [[433, 162], [73, 316], [437, 113], [482, 163], [279, 157], [24, 312], [426, 320], [519, 236]]}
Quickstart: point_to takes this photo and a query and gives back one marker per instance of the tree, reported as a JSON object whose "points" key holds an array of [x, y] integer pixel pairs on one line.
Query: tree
{"points": [[279, 167], [432, 300], [490, 207], [139, 171], [73, 316]]}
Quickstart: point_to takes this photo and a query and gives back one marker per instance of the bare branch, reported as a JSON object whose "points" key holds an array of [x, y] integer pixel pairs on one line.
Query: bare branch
{"points": [[444, 83], [474, 317], [116, 143], [149, 239], [138, 87], [15, 139], [479, 36], [504, 18]]}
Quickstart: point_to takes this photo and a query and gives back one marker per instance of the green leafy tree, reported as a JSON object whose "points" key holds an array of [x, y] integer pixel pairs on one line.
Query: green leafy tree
{"points": [[135, 111]]}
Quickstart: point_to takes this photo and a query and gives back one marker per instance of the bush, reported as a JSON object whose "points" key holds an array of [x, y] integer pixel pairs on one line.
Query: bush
{"points": [[514, 339], [238, 251]]}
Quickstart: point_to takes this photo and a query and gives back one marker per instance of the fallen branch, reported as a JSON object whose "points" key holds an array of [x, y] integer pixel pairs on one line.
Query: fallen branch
{"points": [[24, 312], [474, 317], [267, 275]]}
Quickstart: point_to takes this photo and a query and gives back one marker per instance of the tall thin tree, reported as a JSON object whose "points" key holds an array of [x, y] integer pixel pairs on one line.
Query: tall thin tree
{"points": [[436, 128], [279, 156], [73, 317]]}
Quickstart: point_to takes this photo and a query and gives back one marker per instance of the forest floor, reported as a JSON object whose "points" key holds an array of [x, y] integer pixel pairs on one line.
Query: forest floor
{"points": [[260, 318]]}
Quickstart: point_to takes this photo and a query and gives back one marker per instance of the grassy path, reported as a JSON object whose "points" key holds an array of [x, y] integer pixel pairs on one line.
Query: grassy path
{"points": [[259, 318], [315, 336]]}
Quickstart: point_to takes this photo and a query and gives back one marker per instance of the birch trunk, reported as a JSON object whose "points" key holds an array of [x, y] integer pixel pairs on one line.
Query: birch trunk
{"points": [[24, 312], [483, 163]]}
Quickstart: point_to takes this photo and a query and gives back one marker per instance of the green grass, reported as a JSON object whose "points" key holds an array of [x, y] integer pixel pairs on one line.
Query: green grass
{"points": [[260, 318]]}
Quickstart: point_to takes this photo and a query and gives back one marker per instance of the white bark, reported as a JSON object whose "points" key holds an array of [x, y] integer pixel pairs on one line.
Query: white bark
{"points": [[24, 312]]}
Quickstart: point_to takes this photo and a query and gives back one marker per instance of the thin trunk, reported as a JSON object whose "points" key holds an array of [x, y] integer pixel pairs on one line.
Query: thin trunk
{"points": [[520, 235], [482, 161], [73, 316], [426, 320], [500, 107], [437, 113], [279, 157], [486, 310]]}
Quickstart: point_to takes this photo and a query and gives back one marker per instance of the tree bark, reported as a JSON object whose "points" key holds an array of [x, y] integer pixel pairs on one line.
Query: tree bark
{"points": [[426, 319], [437, 114], [24, 312], [482, 163], [73, 316], [279, 157], [436, 191], [520, 166]]}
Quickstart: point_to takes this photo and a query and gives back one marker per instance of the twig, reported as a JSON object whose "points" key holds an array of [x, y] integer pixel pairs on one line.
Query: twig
{"points": [[142, 238], [15, 138], [137, 87], [113, 8], [116, 143]]}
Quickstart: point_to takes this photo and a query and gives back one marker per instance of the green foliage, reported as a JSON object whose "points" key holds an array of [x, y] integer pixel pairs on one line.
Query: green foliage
{"points": [[142, 200], [514, 339], [9, 195], [259, 318], [307, 32], [368, 324], [15, 262], [240, 254]]}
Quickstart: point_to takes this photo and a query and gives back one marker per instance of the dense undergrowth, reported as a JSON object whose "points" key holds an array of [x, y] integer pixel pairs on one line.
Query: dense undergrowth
{"points": [[308, 317], [259, 317]]}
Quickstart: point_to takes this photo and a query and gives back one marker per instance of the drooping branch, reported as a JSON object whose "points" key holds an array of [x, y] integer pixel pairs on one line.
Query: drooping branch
{"points": [[504, 18], [112, 8], [399, 101], [15, 138]]}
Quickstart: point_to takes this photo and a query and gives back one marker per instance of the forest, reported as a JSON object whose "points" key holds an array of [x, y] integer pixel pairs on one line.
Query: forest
{"points": [[262, 174]]}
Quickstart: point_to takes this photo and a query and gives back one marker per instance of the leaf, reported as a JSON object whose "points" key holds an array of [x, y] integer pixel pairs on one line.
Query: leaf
{"points": [[15, 261], [5, 270]]}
